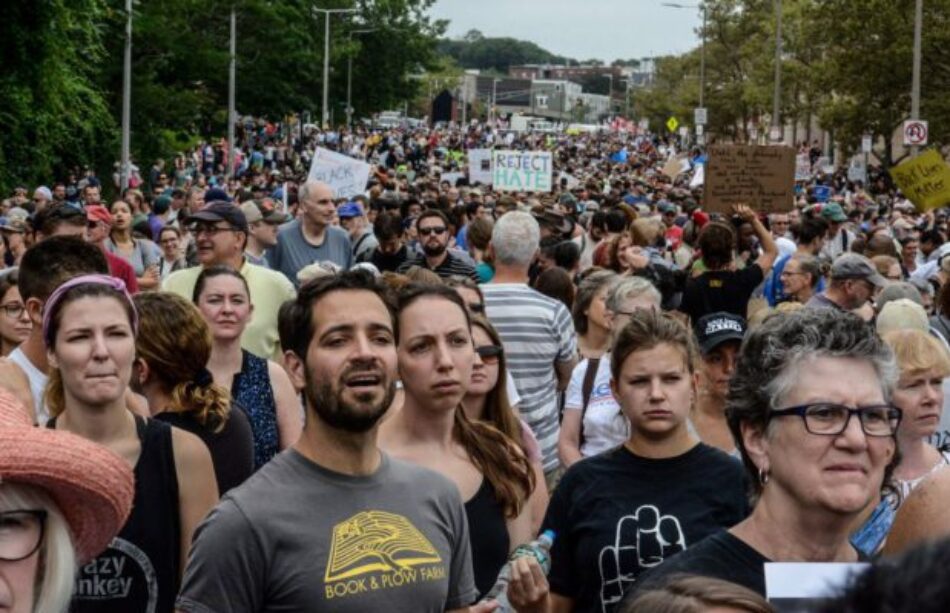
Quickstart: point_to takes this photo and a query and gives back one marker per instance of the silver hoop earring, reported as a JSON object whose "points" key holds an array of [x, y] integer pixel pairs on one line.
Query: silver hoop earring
{"points": [[763, 476]]}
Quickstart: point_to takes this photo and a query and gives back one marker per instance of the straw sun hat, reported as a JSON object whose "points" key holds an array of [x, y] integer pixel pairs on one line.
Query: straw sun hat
{"points": [[92, 486]]}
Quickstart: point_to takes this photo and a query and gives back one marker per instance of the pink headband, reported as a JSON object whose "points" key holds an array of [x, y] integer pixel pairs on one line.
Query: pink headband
{"points": [[117, 284]]}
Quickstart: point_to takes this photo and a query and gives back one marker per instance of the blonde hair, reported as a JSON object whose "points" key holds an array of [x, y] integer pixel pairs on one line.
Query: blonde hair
{"points": [[917, 352], [58, 563], [645, 231]]}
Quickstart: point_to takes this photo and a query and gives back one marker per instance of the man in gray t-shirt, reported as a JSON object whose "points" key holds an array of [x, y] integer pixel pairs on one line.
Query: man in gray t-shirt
{"points": [[310, 238], [333, 524]]}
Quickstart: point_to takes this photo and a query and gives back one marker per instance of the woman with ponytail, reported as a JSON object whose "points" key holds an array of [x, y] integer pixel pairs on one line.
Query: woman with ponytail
{"points": [[172, 349], [89, 329], [493, 474]]}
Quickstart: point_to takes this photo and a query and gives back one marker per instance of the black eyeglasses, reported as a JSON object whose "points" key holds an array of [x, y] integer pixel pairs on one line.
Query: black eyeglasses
{"points": [[439, 230], [476, 307], [212, 230], [13, 310], [829, 419], [489, 353], [21, 533]]}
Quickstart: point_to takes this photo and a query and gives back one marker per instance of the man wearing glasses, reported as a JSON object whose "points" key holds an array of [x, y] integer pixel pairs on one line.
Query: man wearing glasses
{"points": [[311, 237], [220, 232], [854, 282], [433, 229]]}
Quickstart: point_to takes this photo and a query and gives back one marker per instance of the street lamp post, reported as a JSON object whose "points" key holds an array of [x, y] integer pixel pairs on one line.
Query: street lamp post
{"points": [[326, 59], [232, 76], [494, 98], [349, 78], [915, 83], [126, 100]]}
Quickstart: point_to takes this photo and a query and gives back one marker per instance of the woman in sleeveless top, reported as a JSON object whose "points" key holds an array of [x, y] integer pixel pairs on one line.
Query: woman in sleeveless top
{"points": [[141, 253], [486, 400], [173, 347], [89, 327], [259, 387], [493, 475]]}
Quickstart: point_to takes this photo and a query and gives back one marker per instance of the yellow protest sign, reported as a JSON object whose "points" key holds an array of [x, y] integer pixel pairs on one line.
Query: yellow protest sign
{"points": [[925, 180], [672, 123]]}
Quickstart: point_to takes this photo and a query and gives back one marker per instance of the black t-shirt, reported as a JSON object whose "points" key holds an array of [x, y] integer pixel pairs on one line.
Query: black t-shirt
{"points": [[721, 556], [721, 290], [617, 514]]}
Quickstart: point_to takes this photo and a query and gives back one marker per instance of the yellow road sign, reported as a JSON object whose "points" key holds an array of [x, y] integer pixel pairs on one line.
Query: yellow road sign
{"points": [[672, 123]]}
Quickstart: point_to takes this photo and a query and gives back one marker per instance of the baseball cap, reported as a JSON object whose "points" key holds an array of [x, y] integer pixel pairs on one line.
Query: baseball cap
{"points": [[350, 209], [556, 221], [96, 212], [14, 224], [833, 212], [715, 329], [856, 266], [216, 193], [222, 211]]}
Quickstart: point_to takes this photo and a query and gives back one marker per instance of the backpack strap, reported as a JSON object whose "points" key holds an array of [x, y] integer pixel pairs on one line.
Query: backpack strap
{"points": [[590, 375]]}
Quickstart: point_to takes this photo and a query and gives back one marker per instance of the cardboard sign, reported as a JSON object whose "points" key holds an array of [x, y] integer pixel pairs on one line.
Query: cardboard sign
{"points": [[522, 171], [925, 180], [762, 177], [802, 167], [479, 166], [347, 176], [673, 168]]}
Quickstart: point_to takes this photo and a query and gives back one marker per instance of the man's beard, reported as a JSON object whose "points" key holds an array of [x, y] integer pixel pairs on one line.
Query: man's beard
{"points": [[434, 251], [337, 413]]}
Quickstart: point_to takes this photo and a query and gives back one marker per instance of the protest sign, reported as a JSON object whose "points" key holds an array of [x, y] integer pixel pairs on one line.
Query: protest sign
{"points": [[925, 180], [479, 166], [673, 168], [802, 167], [762, 177], [522, 171], [347, 176]]}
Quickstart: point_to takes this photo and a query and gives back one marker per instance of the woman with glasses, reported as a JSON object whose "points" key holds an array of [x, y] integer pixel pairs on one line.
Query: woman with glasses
{"points": [[62, 500], [593, 421], [627, 509], [488, 401], [809, 407], [142, 254], [169, 239], [492, 473], [15, 323], [590, 313]]}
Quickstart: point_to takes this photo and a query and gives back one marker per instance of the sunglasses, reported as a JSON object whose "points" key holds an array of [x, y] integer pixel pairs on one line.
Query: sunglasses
{"points": [[439, 231], [489, 353]]}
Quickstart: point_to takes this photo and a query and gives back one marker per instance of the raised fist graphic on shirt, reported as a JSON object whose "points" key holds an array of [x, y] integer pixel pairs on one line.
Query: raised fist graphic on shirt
{"points": [[642, 541]]}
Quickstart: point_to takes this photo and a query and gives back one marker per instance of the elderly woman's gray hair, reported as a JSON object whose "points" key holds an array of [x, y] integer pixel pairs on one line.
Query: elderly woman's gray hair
{"points": [[772, 356], [631, 287], [808, 264], [586, 292], [515, 239]]}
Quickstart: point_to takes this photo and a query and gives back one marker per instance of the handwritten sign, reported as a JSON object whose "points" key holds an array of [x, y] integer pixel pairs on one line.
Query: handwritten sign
{"points": [[925, 180], [762, 177], [522, 171], [347, 176]]}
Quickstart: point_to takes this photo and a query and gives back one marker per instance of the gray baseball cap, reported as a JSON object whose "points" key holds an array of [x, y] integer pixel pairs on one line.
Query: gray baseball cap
{"points": [[856, 266]]}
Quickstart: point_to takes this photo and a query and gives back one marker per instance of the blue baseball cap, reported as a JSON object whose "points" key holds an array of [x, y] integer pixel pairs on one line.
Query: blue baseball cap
{"points": [[350, 209]]}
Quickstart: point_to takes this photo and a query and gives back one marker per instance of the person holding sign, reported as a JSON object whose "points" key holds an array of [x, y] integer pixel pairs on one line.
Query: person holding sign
{"points": [[810, 409], [721, 287]]}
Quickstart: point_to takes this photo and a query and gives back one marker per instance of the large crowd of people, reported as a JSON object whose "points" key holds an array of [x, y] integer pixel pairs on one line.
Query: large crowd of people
{"points": [[231, 388]]}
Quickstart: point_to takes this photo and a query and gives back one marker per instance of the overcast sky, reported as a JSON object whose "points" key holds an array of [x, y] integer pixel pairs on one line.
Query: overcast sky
{"points": [[582, 29]]}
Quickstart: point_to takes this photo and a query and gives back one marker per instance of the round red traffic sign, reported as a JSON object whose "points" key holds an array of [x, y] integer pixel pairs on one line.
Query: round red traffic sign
{"points": [[915, 132]]}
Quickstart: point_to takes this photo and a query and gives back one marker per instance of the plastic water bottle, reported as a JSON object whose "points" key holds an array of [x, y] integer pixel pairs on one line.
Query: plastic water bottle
{"points": [[539, 549]]}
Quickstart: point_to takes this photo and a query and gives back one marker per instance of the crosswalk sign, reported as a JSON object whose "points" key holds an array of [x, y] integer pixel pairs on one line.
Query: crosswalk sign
{"points": [[672, 124]]}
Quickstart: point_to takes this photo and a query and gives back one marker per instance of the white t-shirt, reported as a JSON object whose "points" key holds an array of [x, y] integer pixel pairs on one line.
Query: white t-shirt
{"points": [[605, 425], [37, 384]]}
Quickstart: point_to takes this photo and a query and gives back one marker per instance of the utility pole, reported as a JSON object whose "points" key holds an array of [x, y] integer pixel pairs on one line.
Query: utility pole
{"points": [[915, 84], [326, 60], [349, 78], [232, 76], [126, 100], [702, 62], [777, 135], [494, 98]]}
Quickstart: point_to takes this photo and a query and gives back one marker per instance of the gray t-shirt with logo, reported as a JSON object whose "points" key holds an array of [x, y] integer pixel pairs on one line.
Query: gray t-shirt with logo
{"points": [[298, 537]]}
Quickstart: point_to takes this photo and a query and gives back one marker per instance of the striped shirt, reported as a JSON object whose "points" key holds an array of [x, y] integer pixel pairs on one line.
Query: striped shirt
{"points": [[537, 332], [451, 266]]}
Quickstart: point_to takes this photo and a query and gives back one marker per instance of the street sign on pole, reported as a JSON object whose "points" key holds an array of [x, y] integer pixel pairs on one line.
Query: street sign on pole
{"points": [[915, 133], [684, 131], [699, 116], [699, 129], [672, 123], [866, 143]]}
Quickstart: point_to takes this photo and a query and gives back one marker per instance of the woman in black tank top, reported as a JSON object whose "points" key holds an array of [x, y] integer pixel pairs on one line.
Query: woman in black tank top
{"points": [[89, 328], [173, 346]]}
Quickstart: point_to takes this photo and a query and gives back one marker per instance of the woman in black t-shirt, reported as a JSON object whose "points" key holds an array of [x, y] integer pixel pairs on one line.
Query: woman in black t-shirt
{"points": [[625, 511]]}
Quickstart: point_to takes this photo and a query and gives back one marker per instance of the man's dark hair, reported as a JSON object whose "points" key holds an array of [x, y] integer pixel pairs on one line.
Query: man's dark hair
{"points": [[433, 213], [296, 326], [471, 209], [933, 236], [49, 219], [387, 226], [616, 221], [566, 255], [716, 241], [49, 263], [809, 229], [599, 220]]}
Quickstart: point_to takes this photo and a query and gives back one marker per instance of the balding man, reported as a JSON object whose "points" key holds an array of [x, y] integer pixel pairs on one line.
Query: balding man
{"points": [[310, 238]]}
